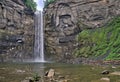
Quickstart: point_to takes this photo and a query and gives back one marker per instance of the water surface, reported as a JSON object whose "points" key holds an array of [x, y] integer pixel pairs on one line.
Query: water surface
{"points": [[16, 72]]}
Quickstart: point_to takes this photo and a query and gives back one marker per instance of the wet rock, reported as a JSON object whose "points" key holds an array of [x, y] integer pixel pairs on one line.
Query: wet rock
{"points": [[25, 81], [115, 73], [112, 62], [20, 32], [105, 79], [105, 72], [2, 77], [46, 73], [2, 68], [29, 11], [114, 67], [3, 23], [61, 77], [29, 79], [19, 2], [51, 73], [66, 39], [20, 71], [20, 41], [63, 81]]}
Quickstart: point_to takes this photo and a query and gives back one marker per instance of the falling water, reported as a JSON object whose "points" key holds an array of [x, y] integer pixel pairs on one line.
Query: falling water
{"points": [[39, 37]]}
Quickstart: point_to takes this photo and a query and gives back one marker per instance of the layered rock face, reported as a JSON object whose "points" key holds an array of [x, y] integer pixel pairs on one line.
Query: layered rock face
{"points": [[64, 19], [16, 30]]}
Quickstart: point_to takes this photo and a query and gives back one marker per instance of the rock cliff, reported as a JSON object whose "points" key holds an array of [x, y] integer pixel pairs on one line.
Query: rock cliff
{"points": [[65, 19], [16, 30]]}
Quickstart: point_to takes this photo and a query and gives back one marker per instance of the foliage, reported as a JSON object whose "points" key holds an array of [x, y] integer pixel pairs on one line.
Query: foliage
{"points": [[36, 77], [31, 4], [49, 2], [101, 42]]}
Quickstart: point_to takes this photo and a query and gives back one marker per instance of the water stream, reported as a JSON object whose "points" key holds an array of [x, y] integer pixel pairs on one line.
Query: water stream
{"points": [[39, 37], [39, 33]]}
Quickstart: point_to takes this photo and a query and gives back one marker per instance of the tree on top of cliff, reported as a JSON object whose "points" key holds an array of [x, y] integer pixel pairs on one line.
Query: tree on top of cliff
{"points": [[30, 4], [47, 2]]}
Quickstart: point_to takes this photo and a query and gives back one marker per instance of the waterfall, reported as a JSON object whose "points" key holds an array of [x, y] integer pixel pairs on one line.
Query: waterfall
{"points": [[39, 37]]}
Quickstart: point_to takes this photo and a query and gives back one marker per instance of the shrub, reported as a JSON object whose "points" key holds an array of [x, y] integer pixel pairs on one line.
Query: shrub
{"points": [[30, 4], [49, 2]]}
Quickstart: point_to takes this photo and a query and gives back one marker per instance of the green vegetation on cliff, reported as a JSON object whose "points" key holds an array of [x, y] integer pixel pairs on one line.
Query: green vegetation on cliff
{"points": [[30, 4], [101, 42], [49, 2]]}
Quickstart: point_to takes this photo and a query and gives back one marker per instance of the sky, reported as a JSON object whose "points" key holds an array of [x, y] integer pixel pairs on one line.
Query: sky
{"points": [[40, 4]]}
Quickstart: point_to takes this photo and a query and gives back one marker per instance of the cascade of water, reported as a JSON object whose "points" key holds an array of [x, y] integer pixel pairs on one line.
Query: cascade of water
{"points": [[39, 37]]}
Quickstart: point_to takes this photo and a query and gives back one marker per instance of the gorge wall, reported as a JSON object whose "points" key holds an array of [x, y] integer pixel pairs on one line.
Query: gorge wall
{"points": [[16, 31], [65, 19]]}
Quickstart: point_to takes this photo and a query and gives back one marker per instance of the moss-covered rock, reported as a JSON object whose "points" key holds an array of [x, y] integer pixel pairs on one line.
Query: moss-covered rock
{"points": [[101, 42]]}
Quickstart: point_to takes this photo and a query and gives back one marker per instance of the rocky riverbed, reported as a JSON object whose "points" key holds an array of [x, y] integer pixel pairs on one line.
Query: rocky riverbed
{"points": [[22, 72]]}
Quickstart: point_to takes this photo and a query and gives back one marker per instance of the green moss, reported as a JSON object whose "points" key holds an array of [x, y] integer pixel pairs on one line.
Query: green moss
{"points": [[49, 2], [101, 41], [30, 4]]}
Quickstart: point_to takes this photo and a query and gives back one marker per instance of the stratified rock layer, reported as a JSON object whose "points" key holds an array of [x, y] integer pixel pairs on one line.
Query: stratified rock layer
{"points": [[16, 30], [64, 19]]}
